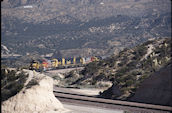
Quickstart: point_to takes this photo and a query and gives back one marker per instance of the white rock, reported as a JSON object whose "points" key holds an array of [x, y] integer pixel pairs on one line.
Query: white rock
{"points": [[38, 98]]}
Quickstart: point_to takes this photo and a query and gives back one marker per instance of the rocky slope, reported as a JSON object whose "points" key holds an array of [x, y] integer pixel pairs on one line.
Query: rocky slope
{"points": [[127, 70], [27, 92], [157, 89], [81, 27]]}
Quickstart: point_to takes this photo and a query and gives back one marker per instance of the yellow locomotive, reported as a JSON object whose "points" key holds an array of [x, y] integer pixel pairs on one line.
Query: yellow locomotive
{"points": [[63, 63], [34, 65]]}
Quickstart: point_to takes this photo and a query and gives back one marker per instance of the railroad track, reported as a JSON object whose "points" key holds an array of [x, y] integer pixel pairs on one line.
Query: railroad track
{"points": [[108, 102]]}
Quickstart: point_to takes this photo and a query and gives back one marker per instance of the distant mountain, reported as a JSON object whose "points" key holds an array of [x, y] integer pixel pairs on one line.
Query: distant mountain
{"points": [[127, 70], [84, 10], [81, 27]]}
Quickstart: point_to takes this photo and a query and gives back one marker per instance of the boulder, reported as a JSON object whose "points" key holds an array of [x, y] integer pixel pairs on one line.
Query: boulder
{"points": [[35, 97]]}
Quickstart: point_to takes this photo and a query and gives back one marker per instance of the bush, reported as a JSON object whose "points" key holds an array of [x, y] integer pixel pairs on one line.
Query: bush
{"points": [[32, 83], [12, 83], [142, 50], [119, 74], [5, 94], [124, 89], [143, 77], [129, 82], [123, 70]]}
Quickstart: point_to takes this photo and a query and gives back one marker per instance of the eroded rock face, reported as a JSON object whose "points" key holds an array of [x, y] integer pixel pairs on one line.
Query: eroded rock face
{"points": [[36, 96]]}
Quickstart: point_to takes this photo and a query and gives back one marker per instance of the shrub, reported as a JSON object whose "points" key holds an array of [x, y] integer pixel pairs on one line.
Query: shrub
{"points": [[142, 50], [12, 83], [32, 83], [123, 70], [129, 82], [5, 94], [131, 65], [143, 77], [118, 74]]}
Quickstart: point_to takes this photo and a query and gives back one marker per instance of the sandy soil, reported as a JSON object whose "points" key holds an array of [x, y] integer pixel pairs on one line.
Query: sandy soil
{"points": [[89, 109], [62, 71], [85, 91]]}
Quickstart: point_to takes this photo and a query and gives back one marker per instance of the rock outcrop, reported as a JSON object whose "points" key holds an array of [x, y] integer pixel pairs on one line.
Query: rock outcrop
{"points": [[157, 89], [36, 96]]}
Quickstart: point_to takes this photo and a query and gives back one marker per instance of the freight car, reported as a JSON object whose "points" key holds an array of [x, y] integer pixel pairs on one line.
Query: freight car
{"points": [[46, 64]]}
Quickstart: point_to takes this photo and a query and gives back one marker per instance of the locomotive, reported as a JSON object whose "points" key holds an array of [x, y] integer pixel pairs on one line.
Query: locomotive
{"points": [[45, 64]]}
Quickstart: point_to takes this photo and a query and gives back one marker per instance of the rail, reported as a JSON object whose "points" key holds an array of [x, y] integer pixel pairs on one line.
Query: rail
{"points": [[108, 101]]}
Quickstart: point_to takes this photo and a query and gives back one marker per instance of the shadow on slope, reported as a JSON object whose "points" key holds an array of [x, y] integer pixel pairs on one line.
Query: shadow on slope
{"points": [[157, 89]]}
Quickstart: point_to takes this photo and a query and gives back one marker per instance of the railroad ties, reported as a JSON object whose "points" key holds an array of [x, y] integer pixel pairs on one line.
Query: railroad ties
{"points": [[108, 102]]}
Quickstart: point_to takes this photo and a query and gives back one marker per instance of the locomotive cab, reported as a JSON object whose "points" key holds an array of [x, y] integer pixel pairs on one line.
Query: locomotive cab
{"points": [[34, 65]]}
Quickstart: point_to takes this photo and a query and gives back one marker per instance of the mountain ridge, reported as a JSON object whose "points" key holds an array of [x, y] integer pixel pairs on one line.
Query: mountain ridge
{"points": [[49, 26]]}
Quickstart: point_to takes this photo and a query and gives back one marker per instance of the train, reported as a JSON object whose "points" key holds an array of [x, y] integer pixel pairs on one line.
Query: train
{"points": [[47, 64]]}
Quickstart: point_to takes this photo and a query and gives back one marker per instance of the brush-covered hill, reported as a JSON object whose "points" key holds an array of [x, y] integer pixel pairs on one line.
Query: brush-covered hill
{"points": [[81, 27], [128, 69], [157, 89]]}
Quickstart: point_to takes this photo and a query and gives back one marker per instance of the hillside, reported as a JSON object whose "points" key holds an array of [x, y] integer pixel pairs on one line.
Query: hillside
{"points": [[156, 89], [81, 27], [127, 70]]}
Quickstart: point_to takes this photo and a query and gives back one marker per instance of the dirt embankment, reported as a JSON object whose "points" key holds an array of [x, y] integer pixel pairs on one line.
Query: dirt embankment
{"points": [[157, 89]]}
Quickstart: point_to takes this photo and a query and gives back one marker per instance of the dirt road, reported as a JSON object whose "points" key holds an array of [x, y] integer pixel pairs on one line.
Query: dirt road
{"points": [[76, 108], [62, 71]]}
